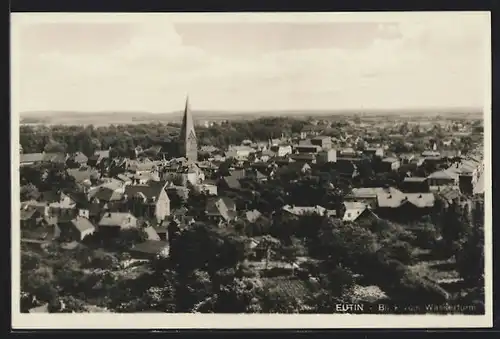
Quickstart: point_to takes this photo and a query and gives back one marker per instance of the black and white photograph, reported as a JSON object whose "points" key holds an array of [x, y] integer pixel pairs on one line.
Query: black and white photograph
{"points": [[246, 170]]}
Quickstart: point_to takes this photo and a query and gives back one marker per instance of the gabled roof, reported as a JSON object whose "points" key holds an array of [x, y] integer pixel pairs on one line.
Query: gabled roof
{"points": [[151, 233], [116, 219], [443, 174], [232, 182], [107, 194], [421, 200], [253, 215], [82, 174], [82, 224]]}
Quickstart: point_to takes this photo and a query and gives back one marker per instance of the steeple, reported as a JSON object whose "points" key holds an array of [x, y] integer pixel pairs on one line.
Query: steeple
{"points": [[188, 143]]}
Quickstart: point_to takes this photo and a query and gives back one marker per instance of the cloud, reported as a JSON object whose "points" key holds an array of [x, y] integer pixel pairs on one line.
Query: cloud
{"points": [[412, 62]]}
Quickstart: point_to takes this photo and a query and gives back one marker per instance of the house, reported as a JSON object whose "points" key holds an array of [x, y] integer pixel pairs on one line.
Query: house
{"points": [[311, 130], [304, 158], [143, 178], [301, 211], [406, 158], [415, 185], [252, 216], [208, 187], [326, 156], [126, 180], [192, 173], [306, 147], [389, 164], [374, 152], [112, 223], [230, 182], [369, 195], [348, 152], [239, 152], [109, 197], [449, 195], [40, 236], [149, 201], [99, 156], [78, 159], [323, 141], [280, 150], [29, 159], [141, 166], [355, 211], [58, 202], [150, 249], [84, 175], [442, 178], [292, 170], [151, 233], [221, 209], [77, 228], [30, 216], [404, 206], [430, 154]]}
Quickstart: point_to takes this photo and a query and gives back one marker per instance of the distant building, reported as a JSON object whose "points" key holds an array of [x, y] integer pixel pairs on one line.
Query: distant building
{"points": [[323, 141], [188, 145]]}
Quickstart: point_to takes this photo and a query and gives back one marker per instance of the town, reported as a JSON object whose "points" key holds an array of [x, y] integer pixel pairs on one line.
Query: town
{"points": [[266, 215]]}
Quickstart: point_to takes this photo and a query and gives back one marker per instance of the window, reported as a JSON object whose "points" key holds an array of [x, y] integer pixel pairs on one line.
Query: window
{"points": [[348, 215]]}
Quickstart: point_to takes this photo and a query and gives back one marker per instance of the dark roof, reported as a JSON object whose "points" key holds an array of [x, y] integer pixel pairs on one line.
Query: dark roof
{"points": [[150, 246], [107, 194], [303, 157], [221, 206], [150, 190], [232, 182], [82, 174], [51, 196]]}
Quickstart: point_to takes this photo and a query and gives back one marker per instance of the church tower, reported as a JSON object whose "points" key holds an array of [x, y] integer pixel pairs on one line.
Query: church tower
{"points": [[188, 145]]}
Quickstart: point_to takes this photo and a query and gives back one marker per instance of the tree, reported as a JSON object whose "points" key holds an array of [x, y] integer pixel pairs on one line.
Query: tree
{"points": [[454, 229], [470, 261], [268, 244], [29, 192], [55, 147]]}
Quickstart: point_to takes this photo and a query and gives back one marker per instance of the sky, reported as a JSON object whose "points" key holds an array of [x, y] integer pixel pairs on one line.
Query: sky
{"points": [[149, 63]]}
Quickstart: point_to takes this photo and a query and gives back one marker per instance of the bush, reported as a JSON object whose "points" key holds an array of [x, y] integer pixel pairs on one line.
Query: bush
{"points": [[103, 260], [417, 290], [401, 251], [426, 236]]}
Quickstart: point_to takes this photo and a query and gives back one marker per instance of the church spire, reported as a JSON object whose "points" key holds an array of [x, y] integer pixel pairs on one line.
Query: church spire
{"points": [[188, 142]]}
